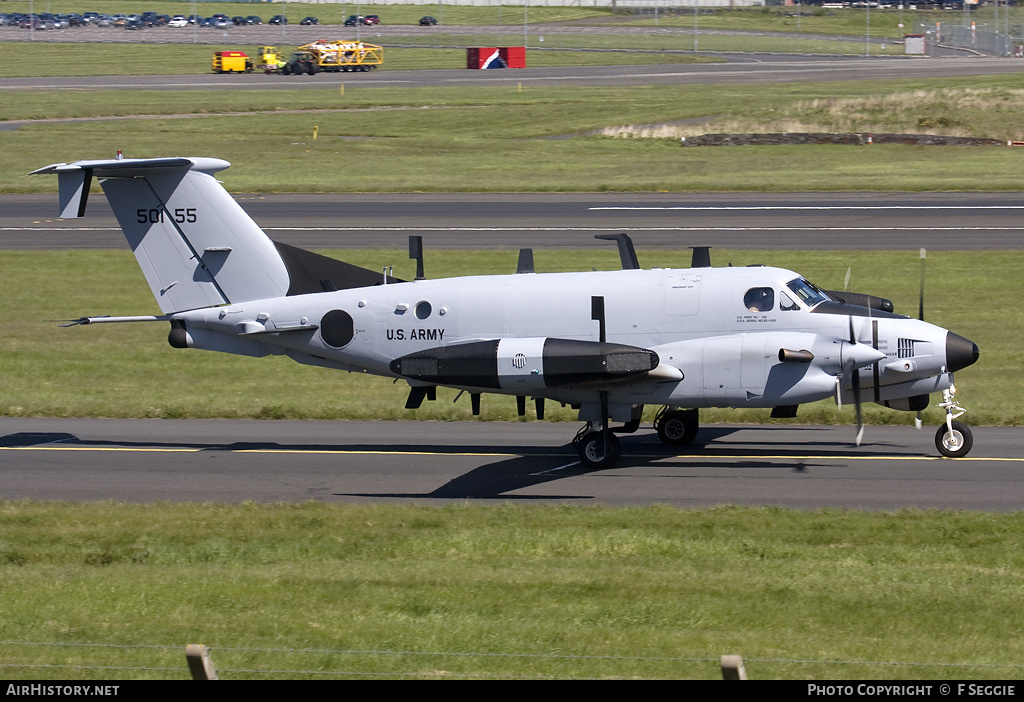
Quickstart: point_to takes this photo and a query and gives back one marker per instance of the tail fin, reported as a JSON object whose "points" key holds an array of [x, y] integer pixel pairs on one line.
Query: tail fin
{"points": [[197, 247]]}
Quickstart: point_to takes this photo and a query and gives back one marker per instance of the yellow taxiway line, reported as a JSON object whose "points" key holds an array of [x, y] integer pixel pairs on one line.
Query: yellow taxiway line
{"points": [[386, 452]]}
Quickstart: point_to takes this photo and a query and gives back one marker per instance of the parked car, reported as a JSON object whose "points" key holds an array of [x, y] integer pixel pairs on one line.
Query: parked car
{"points": [[254, 19], [178, 21], [427, 21], [309, 20], [353, 20], [371, 19], [278, 19]]}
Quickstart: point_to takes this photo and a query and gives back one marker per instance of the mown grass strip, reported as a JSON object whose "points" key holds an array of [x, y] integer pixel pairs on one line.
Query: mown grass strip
{"points": [[456, 139], [310, 589]]}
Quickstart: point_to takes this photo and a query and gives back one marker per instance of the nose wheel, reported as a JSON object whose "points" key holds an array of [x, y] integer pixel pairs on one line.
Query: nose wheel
{"points": [[953, 439]]}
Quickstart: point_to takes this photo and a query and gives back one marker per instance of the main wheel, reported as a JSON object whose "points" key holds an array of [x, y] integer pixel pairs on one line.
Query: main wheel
{"points": [[591, 450], [955, 444], [677, 427]]}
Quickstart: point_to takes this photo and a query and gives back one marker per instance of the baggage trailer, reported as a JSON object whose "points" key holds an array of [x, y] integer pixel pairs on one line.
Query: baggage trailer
{"points": [[333, 56]]}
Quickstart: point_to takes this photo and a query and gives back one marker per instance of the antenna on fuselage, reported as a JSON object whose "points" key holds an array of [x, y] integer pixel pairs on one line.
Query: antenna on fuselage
{"points": [[627, 254], [416, 252], [525, 261], [701, 257]]}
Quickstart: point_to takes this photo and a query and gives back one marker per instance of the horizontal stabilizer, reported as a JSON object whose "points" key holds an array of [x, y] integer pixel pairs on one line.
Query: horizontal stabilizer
{"points": [[196, 246]]}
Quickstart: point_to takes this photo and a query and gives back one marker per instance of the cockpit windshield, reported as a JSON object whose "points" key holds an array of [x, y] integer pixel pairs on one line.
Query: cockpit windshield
{"points": [[807, 292]]}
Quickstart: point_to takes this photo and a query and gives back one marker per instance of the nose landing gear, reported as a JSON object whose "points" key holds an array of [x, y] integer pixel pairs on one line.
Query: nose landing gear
{"points": [[953, 439]]}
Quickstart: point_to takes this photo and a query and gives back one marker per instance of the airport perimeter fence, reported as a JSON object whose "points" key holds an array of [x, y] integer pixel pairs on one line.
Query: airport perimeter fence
{"points": [[982, 39], [24, 661]]}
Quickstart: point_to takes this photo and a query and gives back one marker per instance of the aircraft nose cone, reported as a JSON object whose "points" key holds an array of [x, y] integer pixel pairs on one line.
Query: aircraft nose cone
{"points": [[960, 352]]}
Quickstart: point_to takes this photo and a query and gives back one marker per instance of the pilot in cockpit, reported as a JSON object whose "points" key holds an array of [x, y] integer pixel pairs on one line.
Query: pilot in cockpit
{"points": [[759, 299]]}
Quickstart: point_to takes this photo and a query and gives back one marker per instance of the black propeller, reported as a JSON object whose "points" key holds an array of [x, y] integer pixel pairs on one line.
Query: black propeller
{"points": [[920, 305], [855, 378]]}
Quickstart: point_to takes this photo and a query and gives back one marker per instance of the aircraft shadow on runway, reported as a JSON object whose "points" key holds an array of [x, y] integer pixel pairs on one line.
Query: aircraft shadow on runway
{"points": [[500, 479], [531, 466]]}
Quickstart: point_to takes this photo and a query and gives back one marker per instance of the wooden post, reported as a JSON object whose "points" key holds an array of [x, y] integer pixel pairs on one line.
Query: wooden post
{"points": [[732, 668], [199, 663]]}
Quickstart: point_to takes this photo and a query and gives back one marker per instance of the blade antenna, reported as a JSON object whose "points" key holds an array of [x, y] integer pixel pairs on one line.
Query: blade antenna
{"points": [[416, 253], [627, 254]]}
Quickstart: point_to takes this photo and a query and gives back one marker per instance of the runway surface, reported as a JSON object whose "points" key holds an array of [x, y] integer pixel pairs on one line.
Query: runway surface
{"points": [[439, 462], [813, 221], [746, 68]]}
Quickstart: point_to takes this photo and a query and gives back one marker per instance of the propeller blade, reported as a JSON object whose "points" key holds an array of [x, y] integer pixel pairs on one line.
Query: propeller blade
{"points": [[846, 281], [856, 404], [920, 307]]}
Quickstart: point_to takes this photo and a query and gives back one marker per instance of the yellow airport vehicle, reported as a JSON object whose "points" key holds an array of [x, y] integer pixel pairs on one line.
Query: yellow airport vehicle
{"points": [[324, 55], [269, 60], [231, 62]]}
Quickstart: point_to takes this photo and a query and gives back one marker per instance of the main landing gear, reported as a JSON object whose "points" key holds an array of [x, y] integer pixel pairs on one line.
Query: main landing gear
{"points": [[598, 446], [596, 443], [676, 427]]}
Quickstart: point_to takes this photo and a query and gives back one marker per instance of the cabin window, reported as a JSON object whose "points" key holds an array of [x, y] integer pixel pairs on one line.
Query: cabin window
{"points": [[759, 299]]}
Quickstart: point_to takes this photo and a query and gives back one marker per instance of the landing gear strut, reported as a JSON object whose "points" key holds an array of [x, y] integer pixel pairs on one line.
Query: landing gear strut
{"points": [[598, 447], [953, 439]]}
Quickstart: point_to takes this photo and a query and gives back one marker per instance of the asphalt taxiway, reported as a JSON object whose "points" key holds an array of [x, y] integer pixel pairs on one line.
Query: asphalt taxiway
{"points": [[796, 466], [777, 221]]}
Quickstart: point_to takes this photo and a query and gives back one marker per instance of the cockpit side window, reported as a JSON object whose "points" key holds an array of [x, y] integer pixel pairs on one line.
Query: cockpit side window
{"points": [[786, 302], [806, 292], [759, 299]]}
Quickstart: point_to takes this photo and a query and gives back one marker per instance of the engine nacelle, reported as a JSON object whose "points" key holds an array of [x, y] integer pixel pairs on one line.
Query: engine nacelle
{"points": [[522, 366]]}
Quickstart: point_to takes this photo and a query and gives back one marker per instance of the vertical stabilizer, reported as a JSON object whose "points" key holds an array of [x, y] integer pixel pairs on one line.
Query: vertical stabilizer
{"points": [[197, 247]]}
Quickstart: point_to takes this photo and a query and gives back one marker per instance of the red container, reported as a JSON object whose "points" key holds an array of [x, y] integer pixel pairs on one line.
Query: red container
{"points": [[514, 56]]}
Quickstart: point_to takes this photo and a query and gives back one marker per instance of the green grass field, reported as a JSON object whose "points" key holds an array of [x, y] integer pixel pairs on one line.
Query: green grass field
{"points": [[453, 139], [311, 591]]}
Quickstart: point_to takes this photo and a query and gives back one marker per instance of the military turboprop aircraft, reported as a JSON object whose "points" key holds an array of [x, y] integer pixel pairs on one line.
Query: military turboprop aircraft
{"points": [[607, 343]]}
